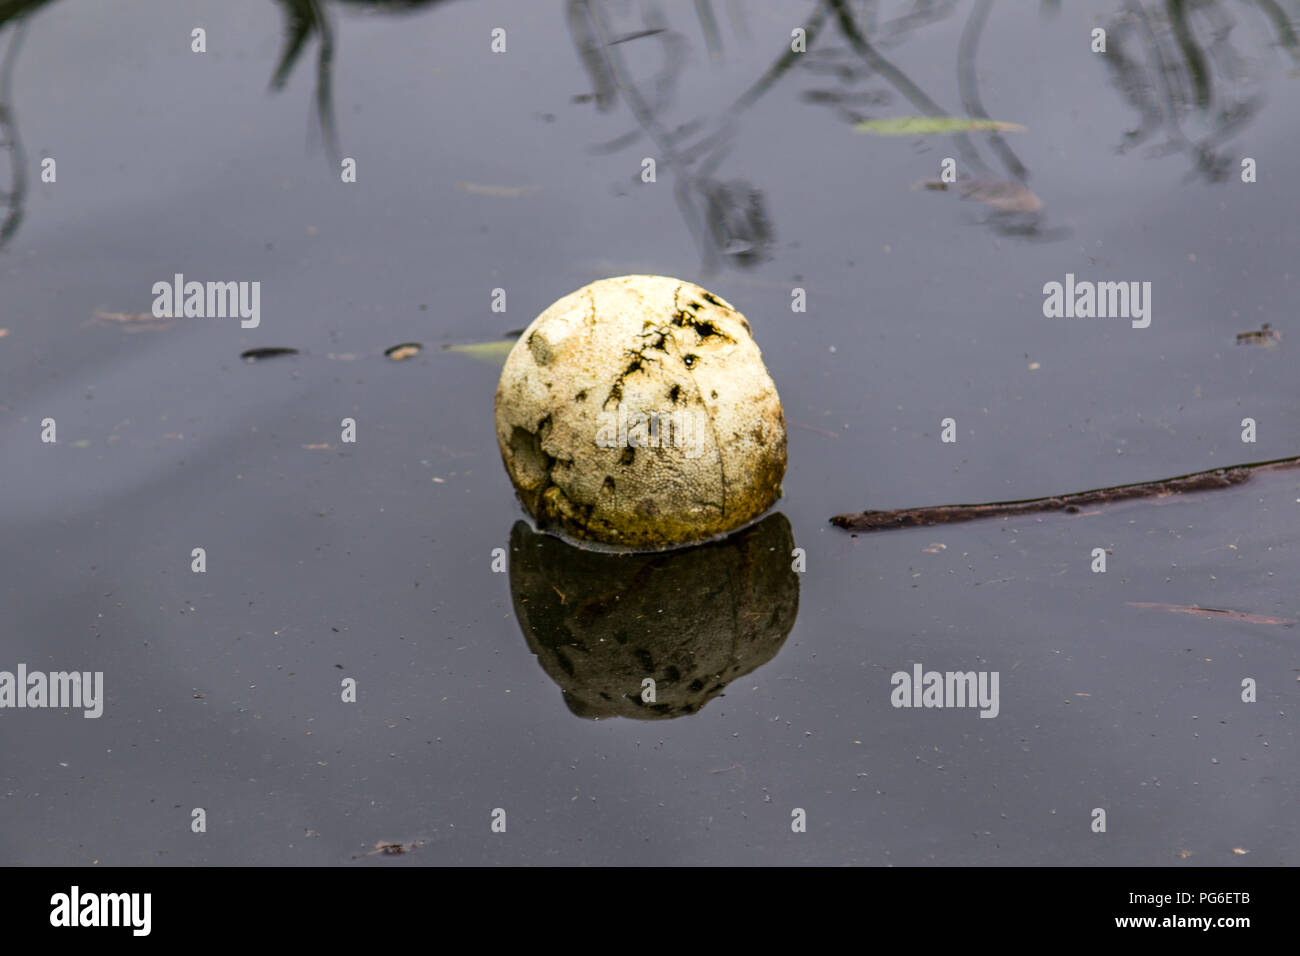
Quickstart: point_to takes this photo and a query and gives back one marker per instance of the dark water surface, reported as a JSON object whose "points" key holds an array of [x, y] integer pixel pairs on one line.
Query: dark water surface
{"points": [[522, 171]]}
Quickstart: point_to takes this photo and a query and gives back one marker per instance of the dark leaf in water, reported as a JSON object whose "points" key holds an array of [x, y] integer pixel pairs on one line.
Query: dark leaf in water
{"points": [[254, 355]]}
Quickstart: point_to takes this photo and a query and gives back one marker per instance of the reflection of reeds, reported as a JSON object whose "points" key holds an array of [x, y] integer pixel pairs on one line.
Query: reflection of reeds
{"points": [[1017, 211], [969, 83], [16, 9], [305, 17], [11, 200], [727, 218], [1173, 61], [1176, 65], [583, 31], [13, 14]]}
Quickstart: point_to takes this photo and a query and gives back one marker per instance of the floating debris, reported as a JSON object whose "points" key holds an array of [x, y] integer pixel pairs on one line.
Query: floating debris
{"points": [[923, 125], [1214, 612], [484, 351], [404, 351], [132, 322], [1002, 195], [814, 428], [394, 849], [498, 192], [254, 355], [1266, 336]]}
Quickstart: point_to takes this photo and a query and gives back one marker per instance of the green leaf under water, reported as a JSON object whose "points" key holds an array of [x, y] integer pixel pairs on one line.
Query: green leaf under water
{"points": [[918, 125], [484, 351]]}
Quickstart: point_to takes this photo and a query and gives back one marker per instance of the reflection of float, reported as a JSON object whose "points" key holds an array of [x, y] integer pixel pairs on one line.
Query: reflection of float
{"points": [[691, 620]]}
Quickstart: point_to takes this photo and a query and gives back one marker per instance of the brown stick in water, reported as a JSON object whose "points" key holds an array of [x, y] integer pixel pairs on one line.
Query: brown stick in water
{"points": [[1071, 503]]}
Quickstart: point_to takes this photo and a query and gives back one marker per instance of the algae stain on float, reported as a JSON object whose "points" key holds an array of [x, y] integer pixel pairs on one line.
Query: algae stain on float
{"points": [[636, 412]]}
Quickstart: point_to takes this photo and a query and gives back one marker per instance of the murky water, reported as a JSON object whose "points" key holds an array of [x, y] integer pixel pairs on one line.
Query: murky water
{"points": [[523, 171]]}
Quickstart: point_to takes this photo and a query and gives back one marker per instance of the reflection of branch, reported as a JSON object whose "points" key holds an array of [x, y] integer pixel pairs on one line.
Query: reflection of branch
{"points": [[951, 514]]}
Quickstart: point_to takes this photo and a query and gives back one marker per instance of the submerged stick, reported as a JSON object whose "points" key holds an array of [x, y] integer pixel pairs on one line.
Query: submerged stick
{"points": [[1071, 503]]}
